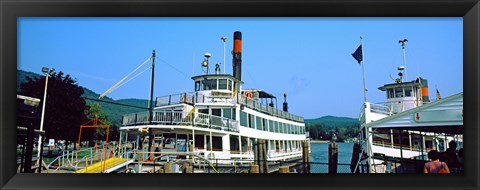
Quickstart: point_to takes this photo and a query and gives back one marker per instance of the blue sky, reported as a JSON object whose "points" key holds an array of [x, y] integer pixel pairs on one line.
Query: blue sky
{"points": [[307, 58]]}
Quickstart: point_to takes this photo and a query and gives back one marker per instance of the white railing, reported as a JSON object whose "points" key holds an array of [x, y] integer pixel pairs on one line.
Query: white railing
{"points": [[182, 118], [195, 97], [267, 109], [187, 97], [380, 108], [390, 108]]}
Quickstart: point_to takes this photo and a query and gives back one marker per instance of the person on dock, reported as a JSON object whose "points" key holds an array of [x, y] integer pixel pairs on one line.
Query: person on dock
{"points": [[435, 165], [451, 152]]}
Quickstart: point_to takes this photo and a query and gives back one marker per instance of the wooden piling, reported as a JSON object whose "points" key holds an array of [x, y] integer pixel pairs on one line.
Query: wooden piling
{"points": [[355, 158], [306, 157], [254, 169], [260, 155], [265, 150], [332, 157], [284, 169], [255, 153], [168, 167], [185, 165], [189, 169]]}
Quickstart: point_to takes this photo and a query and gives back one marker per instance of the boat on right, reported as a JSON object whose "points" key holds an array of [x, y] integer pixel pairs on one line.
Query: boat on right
{"points": [[396, 135]]}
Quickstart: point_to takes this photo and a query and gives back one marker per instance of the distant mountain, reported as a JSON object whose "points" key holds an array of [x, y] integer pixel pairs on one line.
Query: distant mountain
{"points": [[333, 121], [22, 77], [323, 128], [114, 111]]}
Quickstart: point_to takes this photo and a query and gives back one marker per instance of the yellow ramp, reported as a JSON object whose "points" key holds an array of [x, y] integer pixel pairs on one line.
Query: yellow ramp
{"points": [[98, 167]]}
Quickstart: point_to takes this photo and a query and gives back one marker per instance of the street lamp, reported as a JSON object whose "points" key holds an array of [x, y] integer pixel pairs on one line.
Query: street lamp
{"points": [[48, 72], [224, 39]]}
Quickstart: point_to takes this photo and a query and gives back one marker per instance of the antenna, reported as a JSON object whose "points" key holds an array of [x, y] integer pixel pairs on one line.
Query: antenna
{"points": [[404, 60]]}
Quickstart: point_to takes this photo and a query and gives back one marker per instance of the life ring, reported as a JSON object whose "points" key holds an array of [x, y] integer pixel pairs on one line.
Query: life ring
{"points": [[248, 94]]}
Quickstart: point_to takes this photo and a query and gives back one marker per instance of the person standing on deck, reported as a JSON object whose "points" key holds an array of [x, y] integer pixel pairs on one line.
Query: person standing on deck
{"points": [[451, 152], [435, 165]]}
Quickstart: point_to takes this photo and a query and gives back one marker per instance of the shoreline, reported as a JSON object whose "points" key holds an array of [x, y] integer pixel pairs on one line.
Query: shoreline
{"points": [[319, 141]]}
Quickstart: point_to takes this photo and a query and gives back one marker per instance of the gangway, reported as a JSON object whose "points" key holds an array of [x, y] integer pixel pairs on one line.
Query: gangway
{"points": [[111, 164]]}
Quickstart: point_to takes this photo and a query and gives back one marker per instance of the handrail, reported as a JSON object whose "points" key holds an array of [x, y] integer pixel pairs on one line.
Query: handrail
{"points": [[187, 97], [267, 109], [389, 107], [397, 146], [195, 97], [183, 118]]}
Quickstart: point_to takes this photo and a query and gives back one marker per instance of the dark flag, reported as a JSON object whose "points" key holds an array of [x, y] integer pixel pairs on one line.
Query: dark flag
{"points": [[358, 54], [438, 93]]}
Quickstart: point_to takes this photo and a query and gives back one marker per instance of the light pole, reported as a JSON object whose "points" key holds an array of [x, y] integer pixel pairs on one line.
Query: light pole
{"points": [[48, 72], [224, 39]]}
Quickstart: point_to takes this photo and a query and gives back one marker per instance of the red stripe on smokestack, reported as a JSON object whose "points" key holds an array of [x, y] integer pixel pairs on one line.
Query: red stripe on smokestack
{"points": [[237, 55], [237, 46], [237, 42]]}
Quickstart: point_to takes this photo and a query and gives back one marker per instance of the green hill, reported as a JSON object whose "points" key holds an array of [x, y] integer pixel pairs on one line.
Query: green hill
{"points": [[333, 121], [323, 128]]}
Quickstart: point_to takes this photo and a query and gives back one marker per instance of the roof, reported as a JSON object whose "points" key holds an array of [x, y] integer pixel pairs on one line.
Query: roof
{"points": [[216, 76], [417, 82], [439, 116]]}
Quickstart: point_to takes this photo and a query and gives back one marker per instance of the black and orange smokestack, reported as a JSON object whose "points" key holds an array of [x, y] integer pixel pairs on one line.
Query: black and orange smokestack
{"points": [[424, 89], [237, 55]]}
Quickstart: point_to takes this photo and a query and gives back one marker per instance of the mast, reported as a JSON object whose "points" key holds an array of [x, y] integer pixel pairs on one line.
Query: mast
{"points": [[150, 135], [363, 73]]}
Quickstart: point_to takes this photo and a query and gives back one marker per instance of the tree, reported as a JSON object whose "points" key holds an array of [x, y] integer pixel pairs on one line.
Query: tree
{"points": [[95, 109], [65, 108]]}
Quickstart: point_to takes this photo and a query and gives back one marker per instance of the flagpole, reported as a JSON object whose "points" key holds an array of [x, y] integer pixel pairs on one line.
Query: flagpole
{"points": [[363, 73]]}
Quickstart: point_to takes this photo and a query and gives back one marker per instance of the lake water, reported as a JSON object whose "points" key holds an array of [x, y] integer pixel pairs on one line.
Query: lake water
{"points": [[319, 157]]}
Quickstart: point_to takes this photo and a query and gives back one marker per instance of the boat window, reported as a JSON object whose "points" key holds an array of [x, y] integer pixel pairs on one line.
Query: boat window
{"points": [[259, 123], [217, 112], [399, 92], [390, 93], [209, 84], [408, 91], [217, 143], [270, 125], [205, 111], [230, 85], [199, 141], [243, 119], [265, 125], [197, 85], [251, 121], [227, 113], [222, 84]]}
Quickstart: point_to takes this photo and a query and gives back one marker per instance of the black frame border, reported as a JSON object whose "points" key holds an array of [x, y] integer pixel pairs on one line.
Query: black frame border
{"points": [[10, 10]]}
